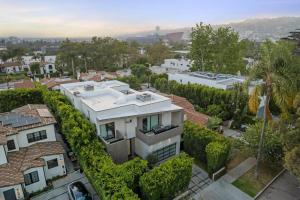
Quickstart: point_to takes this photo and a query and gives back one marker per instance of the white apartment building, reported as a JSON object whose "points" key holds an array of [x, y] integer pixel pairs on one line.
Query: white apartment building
{"points": [[129, 122], [29, 152], [221, 81]]}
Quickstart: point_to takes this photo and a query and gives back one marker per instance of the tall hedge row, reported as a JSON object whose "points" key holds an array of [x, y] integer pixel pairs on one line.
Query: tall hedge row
{"points": [[111, 181], [168, 179], [201, 142], [10, 99], [204, 96], [217, 153]]}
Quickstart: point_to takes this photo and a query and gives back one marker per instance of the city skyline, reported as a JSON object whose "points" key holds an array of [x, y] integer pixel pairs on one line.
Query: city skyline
{"points": [[80, 18]]}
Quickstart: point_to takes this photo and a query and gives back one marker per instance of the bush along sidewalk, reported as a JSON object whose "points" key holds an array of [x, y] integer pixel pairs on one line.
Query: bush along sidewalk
{"points": [[207, 146]]}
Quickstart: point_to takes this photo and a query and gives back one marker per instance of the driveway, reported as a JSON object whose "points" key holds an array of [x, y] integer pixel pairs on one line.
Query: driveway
{"points": [[284, 187], [199, 181], [60, 192]]}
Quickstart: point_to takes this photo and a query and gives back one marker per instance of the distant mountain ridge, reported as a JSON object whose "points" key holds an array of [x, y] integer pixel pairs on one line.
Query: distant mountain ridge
{"points": [[254, 29]]}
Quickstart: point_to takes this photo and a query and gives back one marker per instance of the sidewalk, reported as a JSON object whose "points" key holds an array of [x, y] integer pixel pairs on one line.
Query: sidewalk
{"points": [[222, 189]]}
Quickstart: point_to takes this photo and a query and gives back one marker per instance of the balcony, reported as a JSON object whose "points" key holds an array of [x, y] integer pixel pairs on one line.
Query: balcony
{"points": [[116, 147], [159, 134]]}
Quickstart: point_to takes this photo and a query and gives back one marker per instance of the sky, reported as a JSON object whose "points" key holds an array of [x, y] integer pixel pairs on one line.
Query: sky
{"points": [[86, 18]]}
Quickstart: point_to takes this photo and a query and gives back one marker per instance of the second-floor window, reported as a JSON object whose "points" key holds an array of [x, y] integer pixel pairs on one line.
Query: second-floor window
{"points": [[36, 136], [11, 145], [150, 122], [52, 163], [31, 178], [107, 131]]}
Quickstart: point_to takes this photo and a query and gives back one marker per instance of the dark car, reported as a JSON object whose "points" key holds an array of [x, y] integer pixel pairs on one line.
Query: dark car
{"points": [[77, 191]]}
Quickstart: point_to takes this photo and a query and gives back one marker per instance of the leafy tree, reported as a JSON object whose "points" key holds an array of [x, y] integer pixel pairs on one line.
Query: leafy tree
{"points": [[216, 50], [292, 161], [275, 69], [35, 68], [157, 52]]}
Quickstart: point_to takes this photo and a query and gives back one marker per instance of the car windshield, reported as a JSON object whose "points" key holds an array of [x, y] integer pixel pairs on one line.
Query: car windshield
{"points": [[80, 192]]}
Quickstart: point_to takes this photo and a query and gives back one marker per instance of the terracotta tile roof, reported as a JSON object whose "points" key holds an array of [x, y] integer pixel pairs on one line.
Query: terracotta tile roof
{"points": [[10, 64], [24, 84], [50, 83], [28, 110], [189, 110], [26, 158]]}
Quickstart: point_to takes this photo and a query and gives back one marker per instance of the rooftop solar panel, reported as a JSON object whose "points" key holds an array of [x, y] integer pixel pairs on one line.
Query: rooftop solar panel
{"points": [[17, 120]]}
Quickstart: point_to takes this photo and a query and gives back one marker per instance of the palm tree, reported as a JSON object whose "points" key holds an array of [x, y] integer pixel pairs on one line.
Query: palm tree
{"points": [[275, 68]]}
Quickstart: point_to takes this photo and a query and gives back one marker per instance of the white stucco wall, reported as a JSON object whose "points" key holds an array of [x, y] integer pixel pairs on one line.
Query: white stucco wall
{"points": [[17, 188], [143, 150], [166, 118], [22, 135], [38, 185], [60, 170], [3, 158]]}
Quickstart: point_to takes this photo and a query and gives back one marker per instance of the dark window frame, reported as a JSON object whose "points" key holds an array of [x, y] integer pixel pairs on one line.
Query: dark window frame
{"points": [[108, 126], [52, 163], [145, 126], [32, 177], [37, 136], [11, 146]]}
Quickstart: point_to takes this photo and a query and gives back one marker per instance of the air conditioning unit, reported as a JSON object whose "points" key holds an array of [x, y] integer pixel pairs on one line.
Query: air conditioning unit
{"points": [[89, 87], [76, 93], [144, 97]]}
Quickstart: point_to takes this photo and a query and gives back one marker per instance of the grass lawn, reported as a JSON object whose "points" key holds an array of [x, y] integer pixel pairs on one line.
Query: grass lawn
{"points": [[250, 185]]}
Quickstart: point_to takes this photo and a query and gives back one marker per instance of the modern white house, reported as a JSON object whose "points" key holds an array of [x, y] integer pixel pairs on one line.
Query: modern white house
{"points": [[10, 67], [29, 152], [221, 81], [48, 66], [129, 122], [172, 66]]}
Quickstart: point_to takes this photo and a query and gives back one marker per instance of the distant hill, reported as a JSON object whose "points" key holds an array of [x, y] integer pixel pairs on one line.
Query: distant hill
{"points": [[255, 29]]}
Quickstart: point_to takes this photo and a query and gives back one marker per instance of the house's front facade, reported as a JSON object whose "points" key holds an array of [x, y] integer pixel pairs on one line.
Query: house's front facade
{"points": [[129, 122], [29, 152], [11, 67]]}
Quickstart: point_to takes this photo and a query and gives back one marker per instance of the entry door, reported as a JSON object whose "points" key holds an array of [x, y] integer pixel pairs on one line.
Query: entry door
{"points": [[10, 194]]}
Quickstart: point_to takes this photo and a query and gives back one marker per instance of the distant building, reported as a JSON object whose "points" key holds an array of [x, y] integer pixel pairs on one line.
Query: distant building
{"points": [[54, 83], [174, 37], [29, 152], [11, 67], [127, 121], [220, 81], [172, 66]]}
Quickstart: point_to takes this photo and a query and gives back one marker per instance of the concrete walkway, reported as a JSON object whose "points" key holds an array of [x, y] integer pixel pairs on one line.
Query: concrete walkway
{"points": [[222, 189], [239, 170]]}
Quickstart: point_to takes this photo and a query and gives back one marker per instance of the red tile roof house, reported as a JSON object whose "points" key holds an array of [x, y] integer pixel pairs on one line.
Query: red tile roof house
{"points": [[29, 152], [27, 84], [189, 111], [54, 83]]}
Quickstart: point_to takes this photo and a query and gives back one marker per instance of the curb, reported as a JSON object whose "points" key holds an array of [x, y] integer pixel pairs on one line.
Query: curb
{"points": [[268, 185]]}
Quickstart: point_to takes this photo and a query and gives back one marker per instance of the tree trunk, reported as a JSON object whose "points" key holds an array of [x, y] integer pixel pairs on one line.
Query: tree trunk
{"points": [[85, 65], [73, 69], [262, 133]]}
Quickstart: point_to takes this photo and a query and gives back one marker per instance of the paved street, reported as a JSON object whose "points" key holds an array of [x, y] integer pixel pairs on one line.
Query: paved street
{"points": [[285, 187], [60, 192]]}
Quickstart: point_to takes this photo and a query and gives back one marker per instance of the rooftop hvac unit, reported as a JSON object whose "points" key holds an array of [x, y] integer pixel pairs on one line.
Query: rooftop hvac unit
{"points": [[89, 87], [76, 93], [144, 97]]}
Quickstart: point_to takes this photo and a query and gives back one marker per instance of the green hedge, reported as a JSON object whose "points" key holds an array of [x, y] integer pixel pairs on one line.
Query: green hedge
{"points": [[198, 141], [110, 180], [10, 99], [168, 179], [232, 102], [217, 154]]}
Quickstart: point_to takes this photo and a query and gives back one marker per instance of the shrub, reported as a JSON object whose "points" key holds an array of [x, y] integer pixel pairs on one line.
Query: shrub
{"points": [[10, 99], [217, 154], [168, 179]]}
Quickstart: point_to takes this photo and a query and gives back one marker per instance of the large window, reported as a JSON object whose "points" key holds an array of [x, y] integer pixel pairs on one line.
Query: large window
{"points": [[52, 163], [107, 131], [150, 122], [31, 178], [165, 152], [36, 136], [11, 145]]}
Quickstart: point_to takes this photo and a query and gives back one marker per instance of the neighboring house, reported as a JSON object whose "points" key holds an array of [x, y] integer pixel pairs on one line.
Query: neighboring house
{"points": [[189, 111], [28, 60], [10, 67], [54, 83], [221, 81], [93, 75], [48, 66], [24, 84], [179, 64], [127, 121], [29, 152]]}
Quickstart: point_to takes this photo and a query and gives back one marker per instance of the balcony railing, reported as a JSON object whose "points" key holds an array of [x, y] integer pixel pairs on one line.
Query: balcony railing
{"points": [[159, 134], [110, 140]]}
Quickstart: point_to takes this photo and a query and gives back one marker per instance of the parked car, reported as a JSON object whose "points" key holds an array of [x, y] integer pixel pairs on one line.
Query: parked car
{"points": [[77, 191]]}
